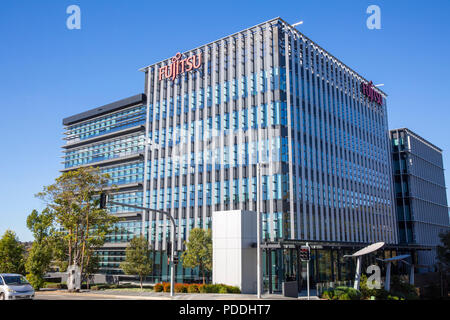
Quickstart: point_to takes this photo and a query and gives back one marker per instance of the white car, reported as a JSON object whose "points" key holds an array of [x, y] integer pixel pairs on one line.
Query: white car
{"points": [[14, 287]]}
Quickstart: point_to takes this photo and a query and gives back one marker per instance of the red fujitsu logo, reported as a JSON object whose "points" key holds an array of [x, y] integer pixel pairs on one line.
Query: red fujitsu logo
{"points": [[368, 91], [179, 66]]}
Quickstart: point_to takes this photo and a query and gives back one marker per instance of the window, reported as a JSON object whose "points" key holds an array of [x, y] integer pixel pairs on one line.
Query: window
{"points": [[15, 280]]}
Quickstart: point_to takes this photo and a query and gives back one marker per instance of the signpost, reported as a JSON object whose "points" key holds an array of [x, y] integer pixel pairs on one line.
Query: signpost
{"points": [[305, 255]]}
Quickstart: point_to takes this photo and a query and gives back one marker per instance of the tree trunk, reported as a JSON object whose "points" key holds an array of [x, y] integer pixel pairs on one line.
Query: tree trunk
{"points": [[140, 277], [203, 274], [84, 235], [88, 275], [70, 245], [76, 253]]}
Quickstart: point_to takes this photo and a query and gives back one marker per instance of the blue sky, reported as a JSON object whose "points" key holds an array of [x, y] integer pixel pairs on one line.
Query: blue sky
{"points": [[48, 72]]}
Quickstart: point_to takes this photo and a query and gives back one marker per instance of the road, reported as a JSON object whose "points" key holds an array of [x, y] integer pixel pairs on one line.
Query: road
{"points": [[133, 295], [60, 296]]}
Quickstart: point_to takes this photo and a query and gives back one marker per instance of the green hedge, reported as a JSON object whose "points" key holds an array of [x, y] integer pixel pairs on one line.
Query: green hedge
{"points": [[219, 288], [399, 290], [53, 285], [197, 288], [104, 286], [341, 293]]}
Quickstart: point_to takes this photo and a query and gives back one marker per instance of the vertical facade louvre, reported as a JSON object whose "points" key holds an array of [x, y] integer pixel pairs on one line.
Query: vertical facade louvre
{"points": [[420, 193], [267, 94]]}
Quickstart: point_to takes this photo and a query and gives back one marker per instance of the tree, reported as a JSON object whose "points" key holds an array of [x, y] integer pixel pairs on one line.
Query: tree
{"points": [[60, 254], [40, 225], [137, 258], [40, 254], [92, 267], [37, 264], [443, 257], [198, 251], [73, 200], [11, 254]]}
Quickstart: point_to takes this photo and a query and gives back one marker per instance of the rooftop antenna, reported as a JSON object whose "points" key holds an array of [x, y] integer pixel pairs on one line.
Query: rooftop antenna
{"points": [[297, 23]]}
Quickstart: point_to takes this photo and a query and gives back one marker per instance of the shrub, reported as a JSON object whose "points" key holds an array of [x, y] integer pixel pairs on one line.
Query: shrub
{"points": [[95, 288], [196, 288], [193, 288], [403, 289], [389, 297], [181, 287], [214, 288], [52, 285], [341, 293], [166, 286], [206, 288], [158, 287], [344, 296], [328, 294], [338, 292], [56, 285], [232, 289], [381, 294], [223, 290], [218, 288], [104, 286], [36, 281], [353, 294], [365, 291]]}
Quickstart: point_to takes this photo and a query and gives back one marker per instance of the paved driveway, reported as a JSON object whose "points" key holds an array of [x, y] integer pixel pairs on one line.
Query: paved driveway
{"points": [[134, 295]]}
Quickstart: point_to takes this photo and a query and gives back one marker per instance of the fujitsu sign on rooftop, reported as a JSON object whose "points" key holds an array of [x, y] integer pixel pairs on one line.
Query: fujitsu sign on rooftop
{"points": [[369, 92], [179, 66]]}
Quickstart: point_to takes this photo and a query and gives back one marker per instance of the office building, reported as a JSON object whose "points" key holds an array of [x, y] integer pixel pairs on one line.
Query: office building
{"points": [[191, 144], [420, 193]]}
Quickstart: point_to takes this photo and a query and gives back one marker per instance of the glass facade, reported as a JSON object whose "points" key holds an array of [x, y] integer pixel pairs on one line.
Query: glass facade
{"points": [[265, 95], [420, 193], [114, 122]]}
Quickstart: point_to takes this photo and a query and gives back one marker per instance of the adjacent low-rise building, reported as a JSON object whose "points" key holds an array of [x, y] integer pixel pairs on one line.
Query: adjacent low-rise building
{"points": [[420, 193]]}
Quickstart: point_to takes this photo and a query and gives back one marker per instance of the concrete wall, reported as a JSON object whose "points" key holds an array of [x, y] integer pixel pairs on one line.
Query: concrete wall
{"points": [[95, 279], [234, 260]]}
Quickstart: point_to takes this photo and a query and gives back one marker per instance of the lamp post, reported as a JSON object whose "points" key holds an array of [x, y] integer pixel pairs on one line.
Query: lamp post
{"points": [[258, 233], [154, 146], [174, 231], [258, 229]]}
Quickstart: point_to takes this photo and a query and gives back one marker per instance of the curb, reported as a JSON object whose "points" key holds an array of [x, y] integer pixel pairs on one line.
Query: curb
{"points": [[86, 294]]}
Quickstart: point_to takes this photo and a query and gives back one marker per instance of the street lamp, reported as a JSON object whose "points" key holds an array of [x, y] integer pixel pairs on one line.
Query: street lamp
{"points": [[258, 230], [104, 200], [152, 146]]}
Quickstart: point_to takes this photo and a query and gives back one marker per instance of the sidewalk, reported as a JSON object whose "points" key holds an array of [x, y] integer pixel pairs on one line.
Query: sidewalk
{"points": [[136, 295]]}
